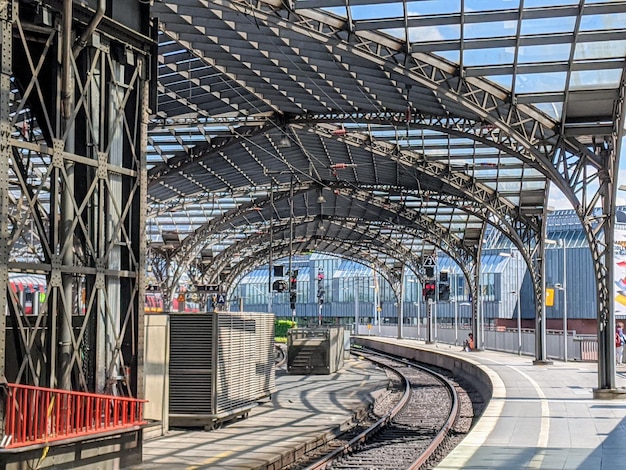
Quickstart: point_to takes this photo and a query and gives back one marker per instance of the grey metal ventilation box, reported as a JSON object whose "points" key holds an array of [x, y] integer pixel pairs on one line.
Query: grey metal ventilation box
{"points": [[221, 365], [315, 350]]}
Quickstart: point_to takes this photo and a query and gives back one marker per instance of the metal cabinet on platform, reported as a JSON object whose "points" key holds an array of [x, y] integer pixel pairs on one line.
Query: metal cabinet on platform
{"points": [[221, 365], [315, 350]]}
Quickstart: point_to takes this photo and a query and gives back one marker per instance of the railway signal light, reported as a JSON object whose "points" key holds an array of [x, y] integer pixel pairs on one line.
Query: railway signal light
{"points": [[279, 286], [293, 280], [444, 291], [320, 287], [428, 290]]}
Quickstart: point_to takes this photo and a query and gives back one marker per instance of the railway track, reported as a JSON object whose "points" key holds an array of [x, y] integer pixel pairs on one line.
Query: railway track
{"points": [[409, 427]]}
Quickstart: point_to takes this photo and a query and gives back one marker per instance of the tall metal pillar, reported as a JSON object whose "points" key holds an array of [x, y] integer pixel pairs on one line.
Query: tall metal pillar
{"points": [[541, 354], [82, 204], [606, 315], [401, 303], [6, 56], [476, 296], [66, 251]]}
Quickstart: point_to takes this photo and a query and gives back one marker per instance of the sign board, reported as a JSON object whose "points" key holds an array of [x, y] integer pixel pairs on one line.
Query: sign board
{"points": [[181, 297], [619, 264], [549, 297], [221, 298], [208, 288]]}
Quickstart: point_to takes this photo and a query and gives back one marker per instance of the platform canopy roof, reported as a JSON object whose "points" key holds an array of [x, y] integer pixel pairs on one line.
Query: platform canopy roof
{"points": [[376, 130]]}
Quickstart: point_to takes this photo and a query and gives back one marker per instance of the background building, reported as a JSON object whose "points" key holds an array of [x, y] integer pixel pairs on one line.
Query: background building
{"points": [[350, 287]]}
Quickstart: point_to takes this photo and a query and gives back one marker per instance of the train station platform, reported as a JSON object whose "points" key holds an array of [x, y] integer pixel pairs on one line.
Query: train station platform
{"points": [[540, 417], [305, 411]]}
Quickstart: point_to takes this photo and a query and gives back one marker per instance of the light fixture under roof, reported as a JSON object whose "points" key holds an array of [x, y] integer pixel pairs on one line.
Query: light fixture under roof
{"points": [[284, 142]]}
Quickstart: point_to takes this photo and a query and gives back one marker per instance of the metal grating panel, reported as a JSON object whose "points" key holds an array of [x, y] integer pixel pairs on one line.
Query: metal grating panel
{"points": [[315, 350], [190, 367], [245, 360]]}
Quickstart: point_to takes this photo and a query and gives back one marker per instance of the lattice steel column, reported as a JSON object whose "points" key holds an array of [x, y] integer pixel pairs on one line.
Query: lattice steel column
{"points": [[77, 202], [602, 234], [6, 56], [142, 218]]}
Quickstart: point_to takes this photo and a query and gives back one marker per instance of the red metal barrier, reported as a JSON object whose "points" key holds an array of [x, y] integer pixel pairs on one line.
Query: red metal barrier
{"points": [[36, 415]]}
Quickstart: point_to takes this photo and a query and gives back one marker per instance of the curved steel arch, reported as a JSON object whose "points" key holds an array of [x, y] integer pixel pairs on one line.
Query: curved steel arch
{"points": [[261, 257], [467, 263], [537, 133], [529, 127], [438, 235], [483, 200], [389, 247]]}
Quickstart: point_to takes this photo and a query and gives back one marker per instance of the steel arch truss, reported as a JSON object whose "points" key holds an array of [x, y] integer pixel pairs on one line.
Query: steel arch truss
{"points": [[584, 170], [336, 246], [370, 238]]}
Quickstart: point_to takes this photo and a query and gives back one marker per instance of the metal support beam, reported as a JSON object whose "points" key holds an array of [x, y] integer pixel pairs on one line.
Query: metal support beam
{"points": [[6, 57]]}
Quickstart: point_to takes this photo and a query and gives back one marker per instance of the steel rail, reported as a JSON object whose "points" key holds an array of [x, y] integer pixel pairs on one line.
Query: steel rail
{"points": [[436, 443]]}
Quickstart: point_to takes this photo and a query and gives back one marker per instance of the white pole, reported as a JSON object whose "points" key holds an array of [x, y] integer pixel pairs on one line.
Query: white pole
{"points": [[356, 306], [456, 315], [419, 320], [564, 302], [519, 307]]}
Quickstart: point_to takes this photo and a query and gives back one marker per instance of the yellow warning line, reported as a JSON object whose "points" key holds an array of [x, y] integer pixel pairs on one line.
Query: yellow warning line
{"points": [[226, 453]]}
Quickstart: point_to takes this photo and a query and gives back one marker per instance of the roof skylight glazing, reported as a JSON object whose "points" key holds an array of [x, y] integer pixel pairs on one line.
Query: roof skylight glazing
{"points": [[322, 101]]}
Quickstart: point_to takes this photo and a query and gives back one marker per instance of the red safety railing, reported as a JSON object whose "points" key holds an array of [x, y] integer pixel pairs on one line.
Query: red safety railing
{"points": [[36, 415]]}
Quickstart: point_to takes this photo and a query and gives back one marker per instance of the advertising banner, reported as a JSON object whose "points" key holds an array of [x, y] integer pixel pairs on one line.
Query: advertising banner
{"points": [[620, 264]]}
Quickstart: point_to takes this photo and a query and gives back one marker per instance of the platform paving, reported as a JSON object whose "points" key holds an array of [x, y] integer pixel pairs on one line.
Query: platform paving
{"points": [[540, 417], [305, 408]]}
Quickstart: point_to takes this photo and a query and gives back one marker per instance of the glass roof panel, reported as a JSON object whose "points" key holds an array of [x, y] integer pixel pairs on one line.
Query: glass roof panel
{"points": [[488, 56], [431, 33], [614, 21], [538, 54], [434, 7], [482, 5], [534, 83], [490, 30], [592, 79], [548, 3], [385, 10], [600, 50], [452, 56], [502, 80], [565, 24]]}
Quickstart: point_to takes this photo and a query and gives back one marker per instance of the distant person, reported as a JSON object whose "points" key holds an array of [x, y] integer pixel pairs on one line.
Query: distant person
{"points": [[468, 345], [620, 339]]}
